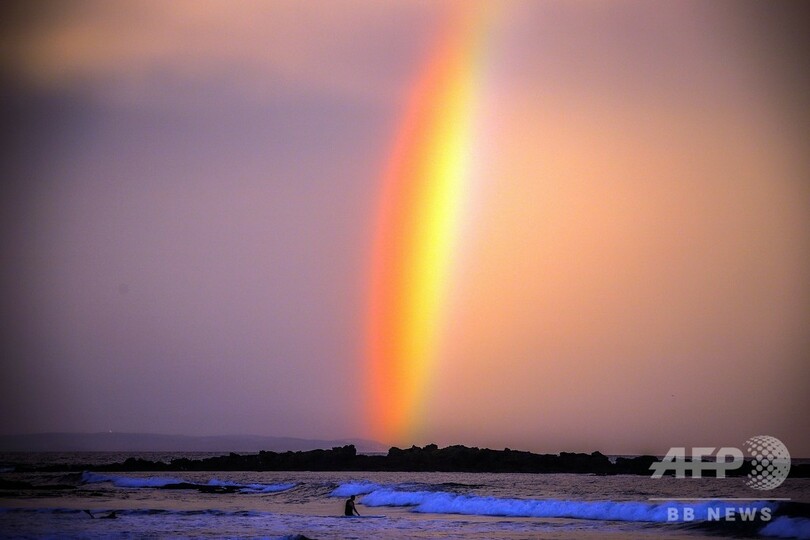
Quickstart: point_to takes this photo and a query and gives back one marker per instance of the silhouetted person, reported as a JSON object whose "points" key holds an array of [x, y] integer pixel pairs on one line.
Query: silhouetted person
{"points": [[111, 515], [351, 509]]}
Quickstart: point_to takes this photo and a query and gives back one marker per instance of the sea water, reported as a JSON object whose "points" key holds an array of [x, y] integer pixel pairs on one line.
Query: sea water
{"points": [[396, 505]]}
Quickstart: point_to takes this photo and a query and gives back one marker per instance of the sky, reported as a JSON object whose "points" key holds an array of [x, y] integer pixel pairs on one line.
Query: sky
{"points": [[209, 223]]}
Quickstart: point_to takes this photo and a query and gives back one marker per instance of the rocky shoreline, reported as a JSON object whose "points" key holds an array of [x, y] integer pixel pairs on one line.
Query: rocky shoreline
{"points": [[429, 458]]}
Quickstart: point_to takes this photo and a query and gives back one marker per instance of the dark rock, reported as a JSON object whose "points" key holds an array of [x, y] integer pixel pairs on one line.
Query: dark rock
{"points": [[634, 465], [429, 458]]}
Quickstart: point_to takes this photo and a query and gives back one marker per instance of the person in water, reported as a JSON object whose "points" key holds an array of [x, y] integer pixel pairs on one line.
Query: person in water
{"points": [[111, 515], [351, 509]]}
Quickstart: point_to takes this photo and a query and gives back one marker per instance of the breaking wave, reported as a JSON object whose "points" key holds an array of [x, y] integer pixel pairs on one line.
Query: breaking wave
{"points": [[163, 482], [766, 517], [354, 488], [787, 527], [449, 503]]}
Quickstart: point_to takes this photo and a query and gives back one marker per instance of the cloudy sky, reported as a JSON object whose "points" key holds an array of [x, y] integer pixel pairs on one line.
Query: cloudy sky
{"points": [[190, 190]]}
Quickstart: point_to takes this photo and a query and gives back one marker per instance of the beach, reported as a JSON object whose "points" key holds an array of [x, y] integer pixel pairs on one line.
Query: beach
{"points": [[301, 504]]}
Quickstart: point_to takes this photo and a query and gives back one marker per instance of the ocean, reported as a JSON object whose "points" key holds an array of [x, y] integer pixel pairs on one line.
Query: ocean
{"points": [[393, 505]]}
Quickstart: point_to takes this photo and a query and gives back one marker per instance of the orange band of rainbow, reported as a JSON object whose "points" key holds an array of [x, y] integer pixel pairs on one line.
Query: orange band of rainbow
{"points": [[417, 225]]}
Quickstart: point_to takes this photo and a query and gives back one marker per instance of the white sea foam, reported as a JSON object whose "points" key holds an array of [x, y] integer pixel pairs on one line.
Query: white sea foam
{"points": [[128, 482], [395, 497], [354, 488]]}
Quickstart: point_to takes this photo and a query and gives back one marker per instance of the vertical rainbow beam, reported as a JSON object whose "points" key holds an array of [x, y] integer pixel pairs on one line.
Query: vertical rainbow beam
{"points": [[420, 207]]}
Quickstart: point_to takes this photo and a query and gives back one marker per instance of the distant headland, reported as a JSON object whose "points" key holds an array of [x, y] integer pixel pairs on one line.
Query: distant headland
{"points": [[114, 441]]}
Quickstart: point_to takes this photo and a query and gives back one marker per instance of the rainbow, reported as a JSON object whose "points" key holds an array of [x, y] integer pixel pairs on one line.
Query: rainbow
{"points": [[424, 189]]}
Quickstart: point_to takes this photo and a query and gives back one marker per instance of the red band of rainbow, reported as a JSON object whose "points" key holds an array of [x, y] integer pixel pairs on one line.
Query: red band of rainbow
{"points": [[416, 229]]}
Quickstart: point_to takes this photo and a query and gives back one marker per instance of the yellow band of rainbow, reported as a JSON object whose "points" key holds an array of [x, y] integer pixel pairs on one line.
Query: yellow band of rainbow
{"points": [[417, 225]]}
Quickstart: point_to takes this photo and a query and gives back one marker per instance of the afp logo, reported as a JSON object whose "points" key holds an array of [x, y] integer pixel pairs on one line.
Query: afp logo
{"points": [[770, 462]]}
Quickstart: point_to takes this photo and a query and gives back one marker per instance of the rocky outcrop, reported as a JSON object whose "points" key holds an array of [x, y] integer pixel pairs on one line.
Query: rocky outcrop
{"points": [[426, 459]]}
